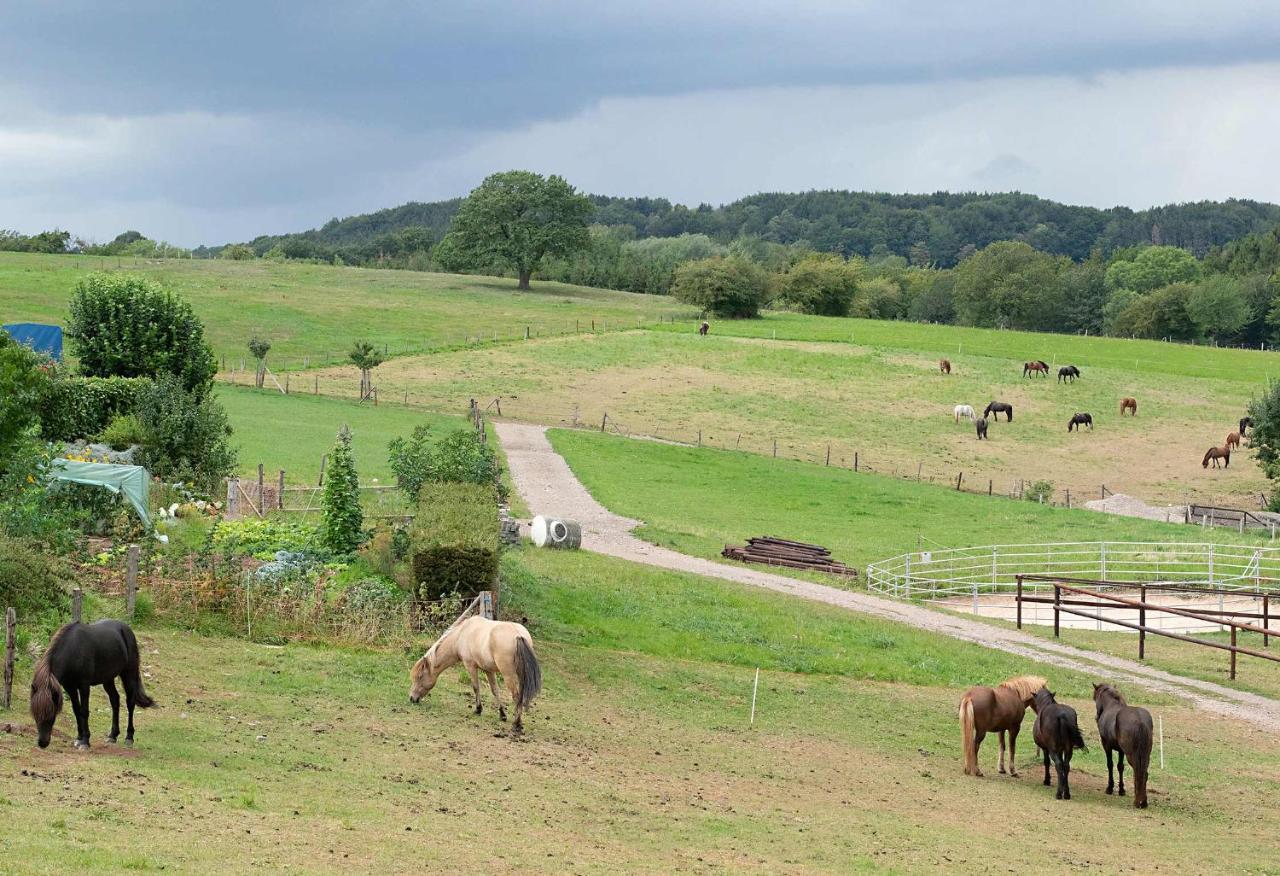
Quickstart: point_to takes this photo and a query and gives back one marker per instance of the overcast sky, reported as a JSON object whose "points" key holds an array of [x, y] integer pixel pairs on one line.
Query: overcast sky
{"points": [[203, 123]]}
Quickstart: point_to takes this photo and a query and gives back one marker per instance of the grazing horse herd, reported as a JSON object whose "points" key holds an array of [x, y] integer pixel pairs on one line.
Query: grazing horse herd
{"points": [[1219, 456], [1124, 730]]}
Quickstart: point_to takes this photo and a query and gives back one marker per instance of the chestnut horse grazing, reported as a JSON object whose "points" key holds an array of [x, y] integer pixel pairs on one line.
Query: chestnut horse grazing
{"points": [[1126, 730], [998, 709], [1057, 734], [480, 644], [78, 657], [1130, 405], [944, 365], [1030, 369], [1233, 440], [1216, 454]]}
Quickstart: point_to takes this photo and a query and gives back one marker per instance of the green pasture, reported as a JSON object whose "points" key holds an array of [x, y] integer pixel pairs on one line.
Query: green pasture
{"points": [[639, 756], [318, 311], [697, 500]]}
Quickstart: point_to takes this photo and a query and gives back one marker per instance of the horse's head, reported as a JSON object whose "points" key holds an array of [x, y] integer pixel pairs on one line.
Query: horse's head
{"points": [[1042, 697], [423, 675], [46, 703]]}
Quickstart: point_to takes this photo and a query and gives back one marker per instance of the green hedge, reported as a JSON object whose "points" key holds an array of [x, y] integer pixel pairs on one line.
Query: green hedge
{"points": [[455, 540], [33, 580], [81, 407]]}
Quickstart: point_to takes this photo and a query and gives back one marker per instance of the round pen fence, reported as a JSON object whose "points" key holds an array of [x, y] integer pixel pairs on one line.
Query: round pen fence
{"points": [[994, 569]]}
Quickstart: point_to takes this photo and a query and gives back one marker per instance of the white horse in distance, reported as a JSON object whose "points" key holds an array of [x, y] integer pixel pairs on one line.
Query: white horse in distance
{"points": [[965, 411]]}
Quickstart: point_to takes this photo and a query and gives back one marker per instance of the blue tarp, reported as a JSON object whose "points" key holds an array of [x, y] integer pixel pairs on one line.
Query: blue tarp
{"points": [[45, 339]]}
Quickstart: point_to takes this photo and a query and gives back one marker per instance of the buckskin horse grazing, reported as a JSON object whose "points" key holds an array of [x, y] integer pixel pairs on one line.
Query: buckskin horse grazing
{"points": [[1068, 373], [1057, 734], [997, 709], [1126, 730], [1233, 440], [78, 657], [944, 365], [981, 425], [1080, 420], [998, 407], [480, 644], [1217, 454], [1129, 404], [1031, 369]]}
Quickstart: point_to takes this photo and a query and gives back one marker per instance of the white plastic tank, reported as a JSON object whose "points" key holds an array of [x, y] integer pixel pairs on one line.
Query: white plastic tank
{"points": [[551, 532]]}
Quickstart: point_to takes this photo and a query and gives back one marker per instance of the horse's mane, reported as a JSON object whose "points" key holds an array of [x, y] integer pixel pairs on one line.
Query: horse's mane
{"points": [[1024, 686], [1109, 691], [44, 684]]}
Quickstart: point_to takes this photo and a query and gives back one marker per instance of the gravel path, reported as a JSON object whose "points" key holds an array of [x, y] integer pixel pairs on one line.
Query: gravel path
{"points": [[550, 487]]}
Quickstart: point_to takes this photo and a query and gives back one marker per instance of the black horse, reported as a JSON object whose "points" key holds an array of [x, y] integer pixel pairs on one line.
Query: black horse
{"points": [[981, 425], [1057, 734], [78, 657], [1068, 372], [997, 407], [1245, 424], [1126, 730], [1080, 420]]}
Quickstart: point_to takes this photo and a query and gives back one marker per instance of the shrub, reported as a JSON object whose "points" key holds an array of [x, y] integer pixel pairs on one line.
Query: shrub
{"points": [[123, 432], [23, 381], [729, 287], [374, 595], [32, 580], [455, 540], [263, 536], [821, 283], [124, 326], [82, 407], [460, 457], [186, 434], [342, 517], [1040, 491]]}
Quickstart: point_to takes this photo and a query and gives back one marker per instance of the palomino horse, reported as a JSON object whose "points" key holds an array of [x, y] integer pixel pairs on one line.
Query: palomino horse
{"points": [[965, 411], [1126, 730], [1080, 420], [981, 425], [998, 407], [1233, 440], [480, 644], [1217, 454], [78, 657], [1057, 734], [1129, 404], [986, 710], [1068, 373], [944, 365], [1030, 369]]}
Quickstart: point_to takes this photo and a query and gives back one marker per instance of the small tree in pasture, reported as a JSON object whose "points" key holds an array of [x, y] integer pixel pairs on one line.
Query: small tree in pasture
{"points": [[366, 357], [258, 348]]}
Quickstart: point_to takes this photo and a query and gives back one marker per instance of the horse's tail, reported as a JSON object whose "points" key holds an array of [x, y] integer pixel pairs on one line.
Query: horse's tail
{"points": [[1208, 454], [528, 673], [1140, 760], [967, 735], [1069, 732], [132, 678]]}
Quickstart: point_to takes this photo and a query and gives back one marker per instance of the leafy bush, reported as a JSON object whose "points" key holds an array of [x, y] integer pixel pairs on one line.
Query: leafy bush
{"points": [[263, 536], [124, 326], [32, 580], [1040, 491], [23, 381], [82, 407], [730, 287], [823, 284], [460, 457], [374, 594], [186, 434], [343, 519], [123, 432], [455, 540]]}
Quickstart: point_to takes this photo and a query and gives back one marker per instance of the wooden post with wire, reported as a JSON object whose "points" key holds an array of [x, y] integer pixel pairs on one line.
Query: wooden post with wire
{"points": [[10, 644], [131, 579], [77, 605]]}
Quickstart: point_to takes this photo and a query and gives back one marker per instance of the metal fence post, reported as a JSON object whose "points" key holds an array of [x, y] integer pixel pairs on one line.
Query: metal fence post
{"points": [[907, 576]]}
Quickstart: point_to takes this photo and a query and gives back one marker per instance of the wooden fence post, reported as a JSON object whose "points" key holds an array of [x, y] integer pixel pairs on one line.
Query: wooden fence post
{"points": [[261, 494], [1019, 600], [1057, 602], [699, 437], [603, 420], [855, 460], [1266, 619], [77, 605], [990, 486], [775, 448], [324, 459], [1068, 497], [131, 579], [1233, 653], [828, 462], [959, 480], [10, 643], [280, 492], [1142, 623]]}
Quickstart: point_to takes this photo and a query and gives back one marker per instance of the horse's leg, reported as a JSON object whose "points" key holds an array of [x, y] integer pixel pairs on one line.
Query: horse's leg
{"points": [[1002, 770], [1064, 772], [1120, 761], [1046, 767], [1013, 746], [82, 717], [114, 696], [1110, 777], [978, 736], [129, 702], [497, 696], [517, 724], [475, 687]]}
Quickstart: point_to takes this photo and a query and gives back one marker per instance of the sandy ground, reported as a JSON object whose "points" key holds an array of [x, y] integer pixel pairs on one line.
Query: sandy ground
{"points": [[549, 487]]}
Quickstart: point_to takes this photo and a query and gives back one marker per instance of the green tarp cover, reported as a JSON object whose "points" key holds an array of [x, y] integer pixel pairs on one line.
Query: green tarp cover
{"points": [[130, 480]]}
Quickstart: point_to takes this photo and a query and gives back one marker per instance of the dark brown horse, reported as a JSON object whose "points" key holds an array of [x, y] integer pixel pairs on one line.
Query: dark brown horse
{"points": [[704, 328], [1233, 441], [1126, 730], [981, 425], [1246, 423], [1057, 734], [1217, 454], [78, 657], [998, 709], [1129, 404], [1080, 420], [944, 365], [1030, 369], [1068, 373], [998, 407]]}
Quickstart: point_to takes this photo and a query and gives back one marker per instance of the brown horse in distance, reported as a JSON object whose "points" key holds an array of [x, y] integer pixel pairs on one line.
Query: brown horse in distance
{"points": [[998, 709], [1030, 369], [1129, 404], [1233, 440], [944, 365], [1217, 453]]}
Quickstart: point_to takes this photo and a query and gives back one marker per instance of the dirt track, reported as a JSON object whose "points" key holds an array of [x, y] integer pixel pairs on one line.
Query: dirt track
{"points": [[549, 486]]}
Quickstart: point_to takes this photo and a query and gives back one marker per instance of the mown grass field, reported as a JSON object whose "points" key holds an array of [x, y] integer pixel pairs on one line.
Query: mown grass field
{"points": [[697, 500], [639, 756], [889, 405], [318, 311]]}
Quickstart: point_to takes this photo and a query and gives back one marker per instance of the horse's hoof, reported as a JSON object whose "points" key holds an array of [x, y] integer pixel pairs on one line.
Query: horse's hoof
{"points": [[128, 743], [502, 715], [1122, 792], [1110, 790], [1013, 774], [81, 745], [977, 773], [1002, 771], [111, 740]]}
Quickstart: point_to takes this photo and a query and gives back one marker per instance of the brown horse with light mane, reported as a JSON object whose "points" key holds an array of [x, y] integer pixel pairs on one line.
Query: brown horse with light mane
{"points": [[1129, 404], [1217, 453], [998, 709], [481, 644], [1233, 440]]}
